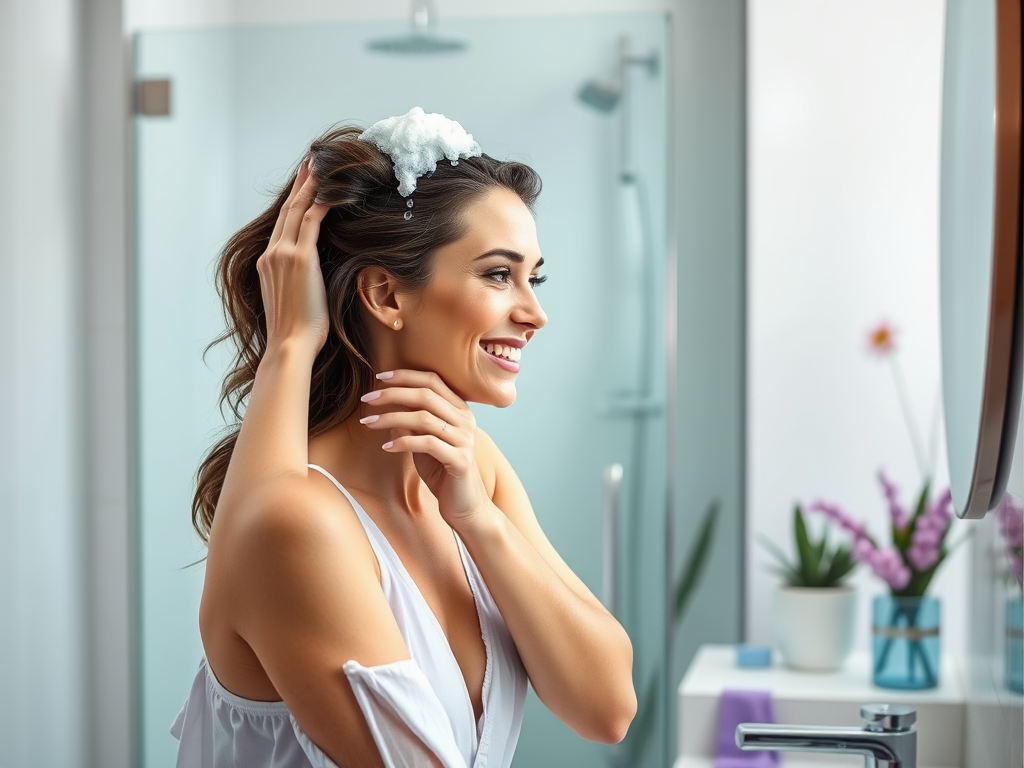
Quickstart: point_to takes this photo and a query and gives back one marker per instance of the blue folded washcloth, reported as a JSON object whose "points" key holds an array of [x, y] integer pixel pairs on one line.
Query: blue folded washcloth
{"points": [[737, 707]]}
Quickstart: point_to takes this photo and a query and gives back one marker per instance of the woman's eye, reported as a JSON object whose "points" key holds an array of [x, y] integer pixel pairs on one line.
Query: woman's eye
{"points": [[505, 276], [499, 275]]}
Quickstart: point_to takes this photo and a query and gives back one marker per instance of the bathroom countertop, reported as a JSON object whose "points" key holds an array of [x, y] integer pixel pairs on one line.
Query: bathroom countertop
{"points": [[816, 698], [791, 760], [714, 669]]}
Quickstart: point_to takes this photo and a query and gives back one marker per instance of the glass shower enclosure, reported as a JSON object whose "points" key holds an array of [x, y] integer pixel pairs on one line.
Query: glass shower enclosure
{"points": [[583, 99]]}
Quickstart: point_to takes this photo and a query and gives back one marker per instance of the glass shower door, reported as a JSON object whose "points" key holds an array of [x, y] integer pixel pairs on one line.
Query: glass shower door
{"points": [[244, 103]]}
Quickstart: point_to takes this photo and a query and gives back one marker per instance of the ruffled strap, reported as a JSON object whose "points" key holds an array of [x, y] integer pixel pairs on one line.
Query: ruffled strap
{"points": [[408, 723]]}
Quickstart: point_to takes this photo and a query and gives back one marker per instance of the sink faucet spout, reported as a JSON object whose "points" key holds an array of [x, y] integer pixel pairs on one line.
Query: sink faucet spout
{"points": [[888, 737], [806, 738]]}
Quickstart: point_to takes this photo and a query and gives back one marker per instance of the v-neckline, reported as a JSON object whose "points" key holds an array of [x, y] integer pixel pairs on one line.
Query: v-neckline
{"points": [[480, 723]]}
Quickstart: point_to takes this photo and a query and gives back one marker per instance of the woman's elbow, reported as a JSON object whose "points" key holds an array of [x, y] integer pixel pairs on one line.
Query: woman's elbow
{"points": [[621, 704], [614, 722]]}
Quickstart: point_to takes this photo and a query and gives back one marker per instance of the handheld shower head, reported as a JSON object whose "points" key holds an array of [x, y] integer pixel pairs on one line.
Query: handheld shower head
{"points": [[603, 97]]}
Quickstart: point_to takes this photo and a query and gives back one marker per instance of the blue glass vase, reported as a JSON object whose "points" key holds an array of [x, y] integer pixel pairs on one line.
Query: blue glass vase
{"points": [[1015, 643], [906, 642]]}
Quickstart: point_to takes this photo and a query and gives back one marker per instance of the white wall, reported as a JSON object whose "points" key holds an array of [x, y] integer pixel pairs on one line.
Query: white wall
{"points": [[843, 137], [42, 623]]}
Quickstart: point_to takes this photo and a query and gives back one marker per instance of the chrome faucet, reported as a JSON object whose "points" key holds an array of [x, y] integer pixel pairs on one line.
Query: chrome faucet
{"points": [[888, 738]]}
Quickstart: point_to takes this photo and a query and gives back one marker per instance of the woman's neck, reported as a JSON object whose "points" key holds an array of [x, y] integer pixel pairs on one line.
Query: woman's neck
{"points": [[352, 453]]}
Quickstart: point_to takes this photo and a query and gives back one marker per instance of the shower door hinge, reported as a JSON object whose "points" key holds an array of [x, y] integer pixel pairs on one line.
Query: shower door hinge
{"points": [[153, 98]]}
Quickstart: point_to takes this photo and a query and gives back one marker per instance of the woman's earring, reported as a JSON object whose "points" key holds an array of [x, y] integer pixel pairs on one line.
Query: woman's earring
{"points": [[397, 324]]}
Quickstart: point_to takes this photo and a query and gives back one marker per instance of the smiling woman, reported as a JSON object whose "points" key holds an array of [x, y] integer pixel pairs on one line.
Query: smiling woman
{"points": [[378, 589], [365, 231]]}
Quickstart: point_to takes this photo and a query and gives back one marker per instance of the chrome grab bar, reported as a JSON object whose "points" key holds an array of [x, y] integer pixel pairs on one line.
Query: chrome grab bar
{"points": [[612, 476]]}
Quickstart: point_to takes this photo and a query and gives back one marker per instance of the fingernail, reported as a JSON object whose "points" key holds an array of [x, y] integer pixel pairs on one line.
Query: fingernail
{"points": [[369, 419], [370, 396], [385, 375], [388, 444]]}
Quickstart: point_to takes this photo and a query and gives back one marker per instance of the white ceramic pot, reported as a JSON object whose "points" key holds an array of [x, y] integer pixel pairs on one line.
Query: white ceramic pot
{"points": [[814, 627]]}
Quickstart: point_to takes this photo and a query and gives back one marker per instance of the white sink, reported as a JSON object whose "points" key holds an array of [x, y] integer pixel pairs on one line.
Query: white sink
{"points": [[806, 698]]}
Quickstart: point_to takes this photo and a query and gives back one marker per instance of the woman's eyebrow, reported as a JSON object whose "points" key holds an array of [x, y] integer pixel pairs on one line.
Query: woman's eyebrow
{"points": [[515, 256]]}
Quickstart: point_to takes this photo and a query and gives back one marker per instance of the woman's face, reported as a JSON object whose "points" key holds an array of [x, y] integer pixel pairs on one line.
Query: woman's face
{"points": [[471, 321]]}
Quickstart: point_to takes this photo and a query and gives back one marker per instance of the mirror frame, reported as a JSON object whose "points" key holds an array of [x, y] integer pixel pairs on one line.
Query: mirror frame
{"points": [[1001, 390]]}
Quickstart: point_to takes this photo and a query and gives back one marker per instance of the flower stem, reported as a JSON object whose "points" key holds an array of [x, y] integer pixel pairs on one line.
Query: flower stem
{"points": [[908, 416]]}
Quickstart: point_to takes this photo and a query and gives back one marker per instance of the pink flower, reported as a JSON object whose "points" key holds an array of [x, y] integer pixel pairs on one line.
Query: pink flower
{"points": [[930, 528], [898, 564], [899, 516], [884, 563], [889, 566], [882, 339], [926, 537], [835, 513], [943, 507], [922, 556], [863, 550]]}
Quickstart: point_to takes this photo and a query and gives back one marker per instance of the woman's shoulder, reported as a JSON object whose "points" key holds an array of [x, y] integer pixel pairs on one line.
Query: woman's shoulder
{"points": [[293, 522]]}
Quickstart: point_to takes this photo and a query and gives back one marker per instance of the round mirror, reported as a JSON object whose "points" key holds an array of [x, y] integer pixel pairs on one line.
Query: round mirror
{"points": [[980, 247]]}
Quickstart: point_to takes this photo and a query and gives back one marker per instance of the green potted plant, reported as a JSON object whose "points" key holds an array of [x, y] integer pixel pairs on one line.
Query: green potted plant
{"points": [[814, 610]]}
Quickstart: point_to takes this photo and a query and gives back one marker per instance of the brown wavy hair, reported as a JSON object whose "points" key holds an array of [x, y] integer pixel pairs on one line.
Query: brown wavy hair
{"points": [[365, 227]]}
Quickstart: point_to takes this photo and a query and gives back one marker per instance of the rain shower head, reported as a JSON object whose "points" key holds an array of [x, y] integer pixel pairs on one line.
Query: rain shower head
{"points": [[423, 39], [416, 44], [603, 97]]}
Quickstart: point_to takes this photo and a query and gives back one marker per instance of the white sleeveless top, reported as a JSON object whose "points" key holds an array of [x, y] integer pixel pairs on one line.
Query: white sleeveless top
{"points": [[407, 704]]}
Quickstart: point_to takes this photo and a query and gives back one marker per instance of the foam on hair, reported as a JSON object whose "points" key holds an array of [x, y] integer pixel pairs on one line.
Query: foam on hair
{"points": [[416, 141]]}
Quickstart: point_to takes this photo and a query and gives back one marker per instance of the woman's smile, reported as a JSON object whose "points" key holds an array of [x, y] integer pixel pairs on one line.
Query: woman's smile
{"points": [[504, 352]]}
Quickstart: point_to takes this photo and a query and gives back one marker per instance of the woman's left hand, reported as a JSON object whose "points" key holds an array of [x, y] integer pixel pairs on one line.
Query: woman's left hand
{"points": [[428, 420]]}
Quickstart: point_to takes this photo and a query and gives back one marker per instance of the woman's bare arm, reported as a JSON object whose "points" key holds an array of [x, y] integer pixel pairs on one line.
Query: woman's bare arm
{"points": [[578, 656], [273, 440]]}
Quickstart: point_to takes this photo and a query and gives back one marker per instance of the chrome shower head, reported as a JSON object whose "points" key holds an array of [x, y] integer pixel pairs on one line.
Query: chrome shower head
{"points": [[416, 44], [423, 39]]}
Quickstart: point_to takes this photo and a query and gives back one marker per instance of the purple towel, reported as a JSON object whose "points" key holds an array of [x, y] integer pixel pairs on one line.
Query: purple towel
{"points": [[738, 707]]}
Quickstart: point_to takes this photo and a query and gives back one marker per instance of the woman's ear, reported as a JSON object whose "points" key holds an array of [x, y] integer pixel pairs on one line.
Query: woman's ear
{"points": [[378, 290]]}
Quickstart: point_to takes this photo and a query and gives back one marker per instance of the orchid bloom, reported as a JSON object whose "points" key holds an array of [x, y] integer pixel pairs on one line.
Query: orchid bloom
{"points": [[882, 339], [835, 513], [899, 516]]}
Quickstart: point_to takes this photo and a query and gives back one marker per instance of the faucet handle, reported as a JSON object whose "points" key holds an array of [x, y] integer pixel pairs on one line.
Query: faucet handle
{"points": [[888, 717]]}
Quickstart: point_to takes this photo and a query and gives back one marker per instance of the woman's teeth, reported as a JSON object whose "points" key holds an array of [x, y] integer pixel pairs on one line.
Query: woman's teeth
{"points": [[499, 350]]}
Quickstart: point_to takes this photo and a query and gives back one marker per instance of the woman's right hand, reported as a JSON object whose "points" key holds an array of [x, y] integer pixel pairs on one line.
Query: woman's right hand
{"points": [[292, 285]]}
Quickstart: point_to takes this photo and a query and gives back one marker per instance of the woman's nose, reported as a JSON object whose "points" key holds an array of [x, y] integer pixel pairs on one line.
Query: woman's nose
{"points": [[529, 312]]}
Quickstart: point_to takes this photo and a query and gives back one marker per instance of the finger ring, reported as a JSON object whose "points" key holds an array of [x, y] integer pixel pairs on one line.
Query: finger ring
{"points": [[444, 425]]}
